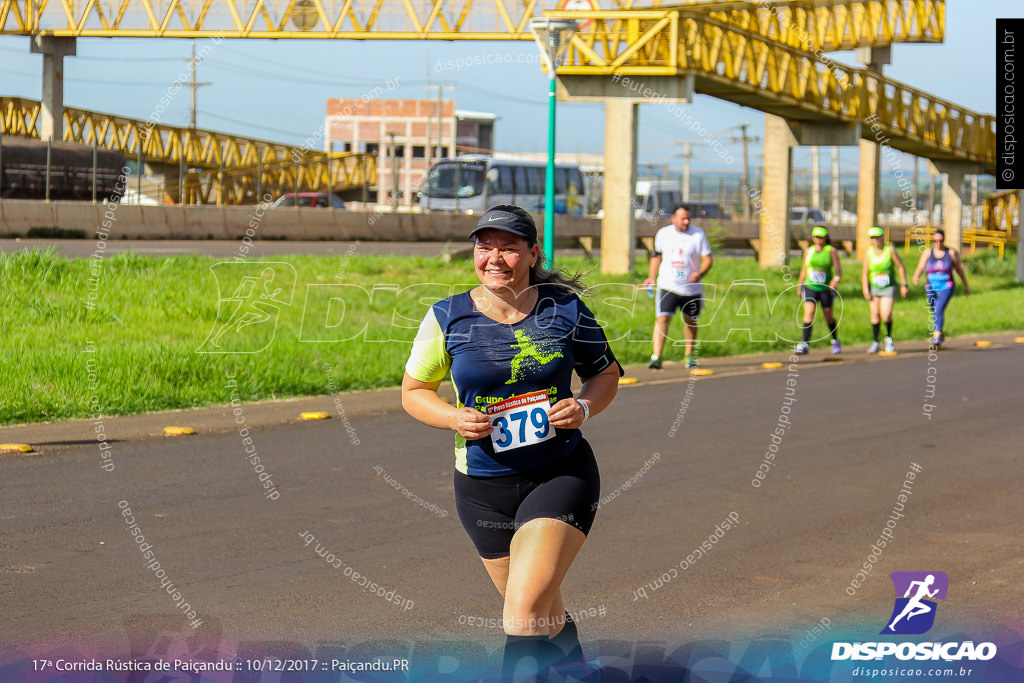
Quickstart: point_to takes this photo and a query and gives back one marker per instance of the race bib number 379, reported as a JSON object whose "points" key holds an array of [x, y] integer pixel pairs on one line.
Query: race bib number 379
{"points": [[520, 421]]}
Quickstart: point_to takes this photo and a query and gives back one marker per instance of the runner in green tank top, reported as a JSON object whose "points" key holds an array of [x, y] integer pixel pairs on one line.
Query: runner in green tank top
{"points": [[878, 283], [818, 278]]}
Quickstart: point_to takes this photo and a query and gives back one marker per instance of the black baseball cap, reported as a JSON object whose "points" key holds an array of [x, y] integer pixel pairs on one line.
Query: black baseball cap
{"points": [[508, 218]]}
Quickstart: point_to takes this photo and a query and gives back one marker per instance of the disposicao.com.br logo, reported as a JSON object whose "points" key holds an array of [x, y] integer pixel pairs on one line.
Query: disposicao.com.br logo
{"points": [[913, 613]]}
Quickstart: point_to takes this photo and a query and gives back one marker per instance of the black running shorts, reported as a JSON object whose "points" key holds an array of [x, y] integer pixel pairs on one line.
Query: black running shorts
{"points": [[670, 302], [493, 508], [823, 296]]}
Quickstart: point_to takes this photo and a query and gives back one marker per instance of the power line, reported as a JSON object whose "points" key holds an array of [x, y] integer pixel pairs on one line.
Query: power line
{"points": [[255, 125], [329, 78]]}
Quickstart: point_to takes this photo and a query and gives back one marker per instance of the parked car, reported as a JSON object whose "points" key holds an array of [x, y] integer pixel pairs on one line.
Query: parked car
{"points": [[315, 200], [803, 215], [707, 210]]}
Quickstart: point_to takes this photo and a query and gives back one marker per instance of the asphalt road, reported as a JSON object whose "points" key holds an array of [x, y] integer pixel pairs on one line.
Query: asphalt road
{"points": [[72, 574]]}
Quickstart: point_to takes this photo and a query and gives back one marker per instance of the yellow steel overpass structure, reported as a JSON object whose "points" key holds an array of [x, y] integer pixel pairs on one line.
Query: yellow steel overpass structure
{"points": [[759, 54], [740, 64], [828, 24], [219, 168], [764, 55]]}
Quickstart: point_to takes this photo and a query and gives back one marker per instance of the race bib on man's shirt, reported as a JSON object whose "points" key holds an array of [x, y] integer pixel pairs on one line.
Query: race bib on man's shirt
{"points": [[520, 421]]}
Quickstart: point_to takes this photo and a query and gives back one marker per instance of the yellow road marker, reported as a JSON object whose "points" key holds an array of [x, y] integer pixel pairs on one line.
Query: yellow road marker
{"points": [[982, 343], [888, 354], [16, 448], [179, 431], [314, 416], [627, 380], [1019, 340], [771, 366], [701, 372]]}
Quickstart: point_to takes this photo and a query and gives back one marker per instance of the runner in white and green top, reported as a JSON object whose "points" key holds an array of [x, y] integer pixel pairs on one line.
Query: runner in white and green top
{"points": [[878, 283]]}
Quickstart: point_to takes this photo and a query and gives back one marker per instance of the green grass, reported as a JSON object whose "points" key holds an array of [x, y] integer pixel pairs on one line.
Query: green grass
{"points": [[142, 343]]}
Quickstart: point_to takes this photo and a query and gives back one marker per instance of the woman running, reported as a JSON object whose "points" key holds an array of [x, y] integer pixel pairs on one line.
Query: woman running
{"points": [[526, 481], [939, 263], [818, 278], [878, 283]]}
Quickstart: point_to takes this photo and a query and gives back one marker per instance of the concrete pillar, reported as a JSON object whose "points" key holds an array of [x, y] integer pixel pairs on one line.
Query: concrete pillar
{"points": [[867, 192], [51, 118], [617, 229], [620, 95], [169, 175], [775, 200], [874, 58], [953, 206], [953, 197]]}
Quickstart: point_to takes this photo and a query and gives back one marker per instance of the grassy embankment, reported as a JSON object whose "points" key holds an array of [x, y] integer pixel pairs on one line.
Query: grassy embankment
{"points": [[141, 344]]}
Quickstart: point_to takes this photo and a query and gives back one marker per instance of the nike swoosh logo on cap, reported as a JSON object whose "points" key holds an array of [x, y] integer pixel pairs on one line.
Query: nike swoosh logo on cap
{"points": [[494, 218]]}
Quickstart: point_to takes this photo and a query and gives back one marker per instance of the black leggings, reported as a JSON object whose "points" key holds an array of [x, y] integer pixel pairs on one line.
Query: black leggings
{"points": [[493, 508]]}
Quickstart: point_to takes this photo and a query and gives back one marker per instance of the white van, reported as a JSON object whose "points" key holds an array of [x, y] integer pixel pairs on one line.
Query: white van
{"points": [[657, 198]]}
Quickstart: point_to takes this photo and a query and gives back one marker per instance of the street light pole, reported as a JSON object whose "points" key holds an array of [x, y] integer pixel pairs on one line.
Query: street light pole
{"points": [[552, 37], [549, 180]]}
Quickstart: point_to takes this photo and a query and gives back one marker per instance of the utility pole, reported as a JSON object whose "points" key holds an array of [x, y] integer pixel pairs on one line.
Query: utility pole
{"points": [[835, 209], [183, 165], [744, 138], [687, 153], [916, 180], [394, 172], [931, 194], [440, 122], [193, 84], [815, 179], [974, 202]]}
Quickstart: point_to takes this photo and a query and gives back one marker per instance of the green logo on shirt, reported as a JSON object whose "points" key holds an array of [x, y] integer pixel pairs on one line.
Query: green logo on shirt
{"points": [[528, 349]]}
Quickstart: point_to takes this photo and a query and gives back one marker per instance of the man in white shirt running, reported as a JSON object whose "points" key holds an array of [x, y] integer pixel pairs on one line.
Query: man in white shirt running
{"points": [[682, 257]]}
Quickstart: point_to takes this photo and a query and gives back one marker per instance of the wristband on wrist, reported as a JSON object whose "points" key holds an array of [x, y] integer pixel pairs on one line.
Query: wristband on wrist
{"points": [[586, 409]]}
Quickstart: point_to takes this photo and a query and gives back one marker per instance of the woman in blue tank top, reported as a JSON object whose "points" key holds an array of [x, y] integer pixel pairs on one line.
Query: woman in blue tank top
{"points": [[938, 264], [527, 485]]}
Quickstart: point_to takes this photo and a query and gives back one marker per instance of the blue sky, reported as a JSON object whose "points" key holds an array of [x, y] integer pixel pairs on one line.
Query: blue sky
{"points": [[277, 90]]}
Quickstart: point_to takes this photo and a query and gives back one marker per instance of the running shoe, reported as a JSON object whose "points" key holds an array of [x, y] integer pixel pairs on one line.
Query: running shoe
{"points": [[801, 349], [935, 341], [837, 348], [874, 347], [655, 363], [889, 346], [690, 361]]}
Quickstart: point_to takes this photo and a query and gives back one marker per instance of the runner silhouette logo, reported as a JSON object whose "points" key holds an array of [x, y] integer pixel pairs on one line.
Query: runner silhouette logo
{"points": [[250, 298], [916, 595]]}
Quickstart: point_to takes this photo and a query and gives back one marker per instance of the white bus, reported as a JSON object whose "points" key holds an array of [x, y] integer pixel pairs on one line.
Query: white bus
{"points": [[473, 183]]}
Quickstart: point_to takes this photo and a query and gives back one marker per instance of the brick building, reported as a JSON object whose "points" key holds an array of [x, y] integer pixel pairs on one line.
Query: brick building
{"points": [[407, 136]]}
